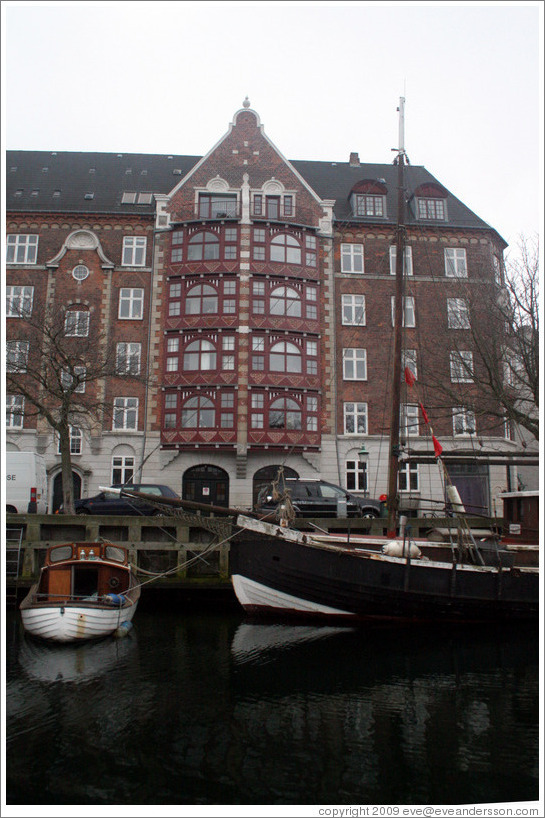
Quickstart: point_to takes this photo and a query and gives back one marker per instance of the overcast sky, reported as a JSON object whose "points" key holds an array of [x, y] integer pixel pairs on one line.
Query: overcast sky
{"points": [[325, 78]]}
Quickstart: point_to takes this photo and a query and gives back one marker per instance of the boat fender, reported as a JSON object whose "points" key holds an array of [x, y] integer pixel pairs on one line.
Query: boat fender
{"points": [[123, 630], [115, 599], [113, 582], [395, 548]]}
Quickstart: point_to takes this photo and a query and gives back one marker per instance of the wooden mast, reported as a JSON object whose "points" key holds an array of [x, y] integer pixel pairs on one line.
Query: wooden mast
{"points": [[393, 465]]}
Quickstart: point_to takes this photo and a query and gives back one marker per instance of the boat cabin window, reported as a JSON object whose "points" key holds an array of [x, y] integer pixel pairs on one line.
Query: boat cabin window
{"points": [[84, 581], [63, 552], [114, 554]]}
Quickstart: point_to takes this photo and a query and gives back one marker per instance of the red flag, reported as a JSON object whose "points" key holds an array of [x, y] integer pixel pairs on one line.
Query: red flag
{"points": [[436, 446], [409, 377], [424, 414]]}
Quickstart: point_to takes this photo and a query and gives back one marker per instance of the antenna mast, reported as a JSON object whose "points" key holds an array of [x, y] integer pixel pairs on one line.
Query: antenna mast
{"points": [[393, 470]]}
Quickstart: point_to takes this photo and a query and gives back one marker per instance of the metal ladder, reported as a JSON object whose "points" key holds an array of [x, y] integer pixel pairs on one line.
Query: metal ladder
{"points": [[14, 539]]}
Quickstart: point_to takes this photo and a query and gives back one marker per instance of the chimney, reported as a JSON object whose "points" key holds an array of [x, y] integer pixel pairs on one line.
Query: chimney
{"points": [[354, 160]]}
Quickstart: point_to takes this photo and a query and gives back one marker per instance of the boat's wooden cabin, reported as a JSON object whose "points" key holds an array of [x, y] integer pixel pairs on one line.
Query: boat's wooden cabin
{"points": [[83, 571], [521, 517]]}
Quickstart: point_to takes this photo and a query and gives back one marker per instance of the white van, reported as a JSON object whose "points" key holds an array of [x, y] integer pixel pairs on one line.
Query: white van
{"points": [[26, 483]]}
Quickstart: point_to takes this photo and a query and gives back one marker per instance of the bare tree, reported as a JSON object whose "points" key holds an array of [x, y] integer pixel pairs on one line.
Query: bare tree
{"points": [[61, 370], [496, 365]]}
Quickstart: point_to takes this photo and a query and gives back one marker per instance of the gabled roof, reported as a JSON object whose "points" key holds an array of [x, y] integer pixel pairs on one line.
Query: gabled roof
{"points": [[77, 175]]}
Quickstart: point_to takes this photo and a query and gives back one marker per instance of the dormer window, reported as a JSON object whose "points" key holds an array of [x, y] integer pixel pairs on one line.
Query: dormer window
{"points": [[431, 202], [217, 206], [368, 198]]}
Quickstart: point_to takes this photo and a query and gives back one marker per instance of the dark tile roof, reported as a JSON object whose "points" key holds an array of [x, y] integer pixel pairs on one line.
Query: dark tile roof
{"points": [[78, 182]]}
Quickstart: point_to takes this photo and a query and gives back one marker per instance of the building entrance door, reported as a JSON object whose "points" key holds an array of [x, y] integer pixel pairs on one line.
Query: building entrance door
{"points": [[472, 482], [57, 489], [206, 484]]}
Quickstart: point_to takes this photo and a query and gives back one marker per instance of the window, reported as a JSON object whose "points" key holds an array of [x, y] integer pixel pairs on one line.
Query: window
{"points": [[353, 310], [171, 403], [285, 248], [272, 204], [284, 413], [21, 249], [134, 251], [258, 402], [285, 301], [145, 198], [128, 358], [455, 262], [431, 209], [176, 255], [312, 359], [351, 258], [408, 360], [461, 366], [17, 356], [463, 422], [128, 197], [125, 413], [407, 260], [76, 323], [131, 302], [177, 236], [408, 478], [285, 357], [80, 272], [310, 257], [497, 262], [19, 302], [214, 206], [199, 355], [355, 418], [201, 300], [409, 316], [259, 244], [368, 205], [203, 246], [288, 205], [354, 364], [198, 413], [122, 469], [258, 345], [258, 204], [76, 441], [409, 419], [312, 306], [230, 248], [458, 313], [15, 409], [228, 349], [356, 475], [227, 418], [76, 381]]}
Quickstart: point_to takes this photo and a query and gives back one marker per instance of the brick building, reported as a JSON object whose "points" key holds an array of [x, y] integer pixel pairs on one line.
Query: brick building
{"points": [[253, 295]]}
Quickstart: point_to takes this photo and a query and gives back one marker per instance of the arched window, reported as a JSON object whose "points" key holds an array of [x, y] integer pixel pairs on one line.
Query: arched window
{"points": [[285, 301], [284, 413], [285, 248], [198, 413], [200, 355], [203, 245], [285, 357], [201, 299]]}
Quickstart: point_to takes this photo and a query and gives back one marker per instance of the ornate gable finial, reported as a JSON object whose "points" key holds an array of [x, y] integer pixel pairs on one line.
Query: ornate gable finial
{"points": [[246, 103]]}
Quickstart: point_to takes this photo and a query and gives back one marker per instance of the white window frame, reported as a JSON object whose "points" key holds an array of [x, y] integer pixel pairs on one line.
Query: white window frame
{"points": [[356, 475], [76, 441], [410, 419], [128, 358], [76, 323], [355, 414], [458, 313], [125, 415], [134, 251], [22, 248], [18, 352], [131, 300], [15, 409], [352, 257], [125, 465], [425, 206], [354, 364], [19, 301], [67, 379], [461, 366], [409, 361], [455, 262], [463, 422], [352, 309], [408, 473], [409, 312], [407, 260]]}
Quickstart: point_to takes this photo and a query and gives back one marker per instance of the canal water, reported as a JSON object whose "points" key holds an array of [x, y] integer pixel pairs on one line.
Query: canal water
{"points": [[206, 707]]}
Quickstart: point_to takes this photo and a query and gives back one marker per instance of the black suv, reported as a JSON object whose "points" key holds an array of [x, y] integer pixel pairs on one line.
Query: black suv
{"points": [[109, 503], [317, 498]]}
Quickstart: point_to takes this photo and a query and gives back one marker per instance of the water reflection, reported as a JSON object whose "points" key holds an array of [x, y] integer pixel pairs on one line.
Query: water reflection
{"points": [[202, 708]]}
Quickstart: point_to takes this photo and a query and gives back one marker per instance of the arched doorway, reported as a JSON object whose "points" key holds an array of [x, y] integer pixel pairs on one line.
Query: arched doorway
{"points": [[206, 484], [57, 489], [265, 476]]}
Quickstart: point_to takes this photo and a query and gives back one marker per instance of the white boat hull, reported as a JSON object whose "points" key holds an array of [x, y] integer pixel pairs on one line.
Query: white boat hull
{"points": [[73, 623]]}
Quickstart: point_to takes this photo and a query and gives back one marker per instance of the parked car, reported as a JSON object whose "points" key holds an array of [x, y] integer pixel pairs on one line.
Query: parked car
{"points": [[109, 503], [318, 498]]}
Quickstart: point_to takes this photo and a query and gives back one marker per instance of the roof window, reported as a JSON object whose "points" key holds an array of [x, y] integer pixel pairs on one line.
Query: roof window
{"points": [[129, 197], [89, 196], [145, 198]]}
